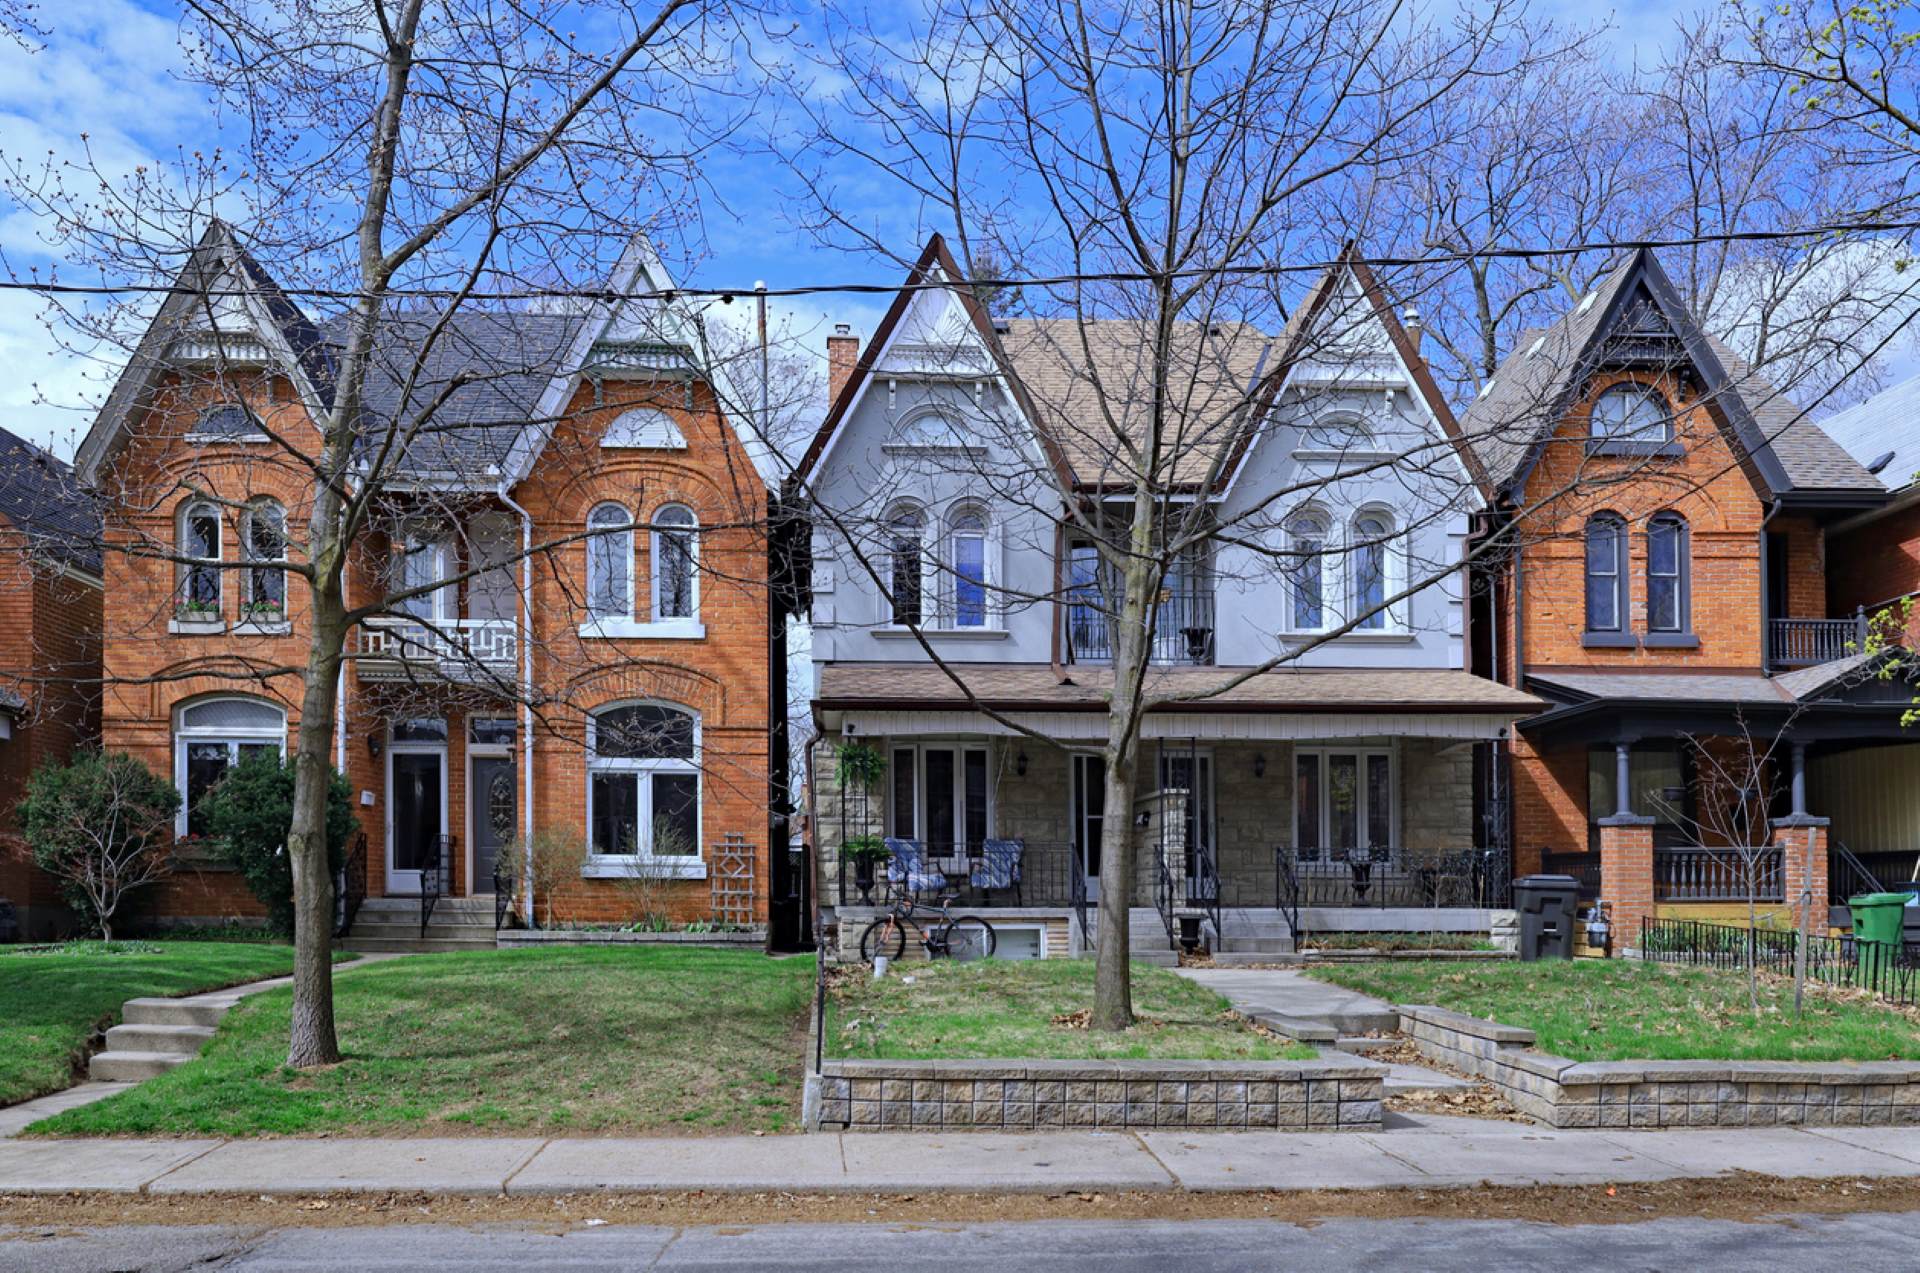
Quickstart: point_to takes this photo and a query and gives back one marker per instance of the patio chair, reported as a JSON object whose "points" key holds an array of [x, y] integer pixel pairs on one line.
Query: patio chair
{"points": [[908, 868], [999, 867]]}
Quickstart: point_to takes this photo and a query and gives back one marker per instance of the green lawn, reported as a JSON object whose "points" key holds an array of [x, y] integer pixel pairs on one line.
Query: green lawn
{"points": [[1621, 1009], [53, 1000], [550, 1041], [1000, 1008]]}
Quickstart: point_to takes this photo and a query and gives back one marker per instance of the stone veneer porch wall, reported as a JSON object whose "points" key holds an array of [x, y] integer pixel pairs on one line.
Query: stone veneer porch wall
{"points": [[1565, 1093], [1024, 1095]]}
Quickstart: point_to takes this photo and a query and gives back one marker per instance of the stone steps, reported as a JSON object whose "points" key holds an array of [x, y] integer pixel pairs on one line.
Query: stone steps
{"points": [[184, 1040], [188, 1012], [133, 1067], [415, 944], [392, 925]]}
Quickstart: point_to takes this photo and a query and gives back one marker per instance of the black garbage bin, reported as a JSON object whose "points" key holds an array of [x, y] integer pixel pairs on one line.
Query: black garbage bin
{"points": [[1547, 904]]}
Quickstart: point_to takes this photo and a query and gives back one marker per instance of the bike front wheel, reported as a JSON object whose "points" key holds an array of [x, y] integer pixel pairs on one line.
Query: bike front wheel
{"points": [[884, 936], [970, 938]]}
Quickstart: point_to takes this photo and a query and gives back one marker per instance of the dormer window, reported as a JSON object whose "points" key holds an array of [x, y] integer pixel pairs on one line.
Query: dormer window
{"points": [[1631, 415]]}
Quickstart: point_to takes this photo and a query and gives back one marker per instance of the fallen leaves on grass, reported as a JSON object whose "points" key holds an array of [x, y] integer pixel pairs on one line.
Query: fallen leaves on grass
{"points": [[1080, 1020]]}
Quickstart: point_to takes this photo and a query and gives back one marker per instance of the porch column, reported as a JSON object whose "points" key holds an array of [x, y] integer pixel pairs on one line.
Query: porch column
{"points": [[1626, 857], [1802, 841]]}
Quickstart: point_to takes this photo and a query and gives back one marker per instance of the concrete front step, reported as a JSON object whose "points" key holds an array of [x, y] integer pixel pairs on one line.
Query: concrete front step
{"points": [[133, 1067], [192, 1012], [416, 945], [1256, 945], [1252, 958], [183, 1039], [383, 927]]}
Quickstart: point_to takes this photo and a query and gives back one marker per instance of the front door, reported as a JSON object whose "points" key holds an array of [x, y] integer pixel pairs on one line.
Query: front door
{"points": [[492, 816], [1089, 808], [416, 804]]}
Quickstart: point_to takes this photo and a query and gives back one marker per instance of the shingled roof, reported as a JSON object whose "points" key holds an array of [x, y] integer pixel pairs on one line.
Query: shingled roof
{"points": [[40, 498]]}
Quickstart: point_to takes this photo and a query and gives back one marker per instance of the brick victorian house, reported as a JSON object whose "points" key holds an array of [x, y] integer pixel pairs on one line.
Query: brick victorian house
{"points": [[50, 599], [596, 665], [1667, 592]]}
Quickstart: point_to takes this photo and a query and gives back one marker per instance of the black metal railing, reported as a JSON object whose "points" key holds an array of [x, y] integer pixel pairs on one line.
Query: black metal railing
{"points": [[1045, 877], [1183, 627], [1890, 972], [1163, 893], [1583, 866], [504, 884], [1481, 878], [1203, 885], [350, 886], [1719, 874], [1805, 642], [1850, 874], [1078, 894], [434, 877]]}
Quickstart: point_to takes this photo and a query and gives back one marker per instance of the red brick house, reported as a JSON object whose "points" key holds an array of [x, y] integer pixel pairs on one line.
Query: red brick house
{"points": [[595, 664], [1666, 516], [50, 598]]}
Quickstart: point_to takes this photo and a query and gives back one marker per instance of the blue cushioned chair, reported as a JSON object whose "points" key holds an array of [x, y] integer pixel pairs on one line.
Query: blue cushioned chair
{"points": [[908, 867], [999, 867]]}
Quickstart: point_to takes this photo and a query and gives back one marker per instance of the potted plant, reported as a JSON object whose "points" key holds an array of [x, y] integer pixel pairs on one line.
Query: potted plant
{"points": [[264, 611], [193, 610], [865, 852]]}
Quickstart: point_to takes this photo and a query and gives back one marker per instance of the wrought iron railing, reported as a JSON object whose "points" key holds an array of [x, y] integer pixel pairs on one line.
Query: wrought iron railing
{"points": [[1203, 885], [1850, 874], [1078, 894], [1163, 892], [1805, 642], [1384, 877], [434, 877], [504, 884], [1890, 972], [1286, 889], [1045, 878], [1718, 874], [1183, 629], [1584, 867], [350, 886]]}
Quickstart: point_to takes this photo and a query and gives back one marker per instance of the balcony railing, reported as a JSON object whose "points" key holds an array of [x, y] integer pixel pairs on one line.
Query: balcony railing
{"points": [[1182, 631], [1805, 642], [448, 647], [1718, 875]]}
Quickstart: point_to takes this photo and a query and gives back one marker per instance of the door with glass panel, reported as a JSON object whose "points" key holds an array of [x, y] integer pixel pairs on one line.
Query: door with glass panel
{"points": [[1089, 798], [416, 802], [939, 797], [1343, 801]]}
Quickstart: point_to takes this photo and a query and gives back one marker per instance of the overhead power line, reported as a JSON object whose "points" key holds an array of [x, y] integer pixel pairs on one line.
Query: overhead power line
{"points": [[1250, 270]]}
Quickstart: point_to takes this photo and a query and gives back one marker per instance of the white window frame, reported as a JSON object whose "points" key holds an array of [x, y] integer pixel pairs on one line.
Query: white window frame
{"points": [[657, 531], [617, 865], [1393, 571], [929, 594], [261, 620], [1321, 752], [441, 603], [198, 433], [1293, 529], [188, 511], [184, 734], [960, 747], [989, 612], [602, 543]]}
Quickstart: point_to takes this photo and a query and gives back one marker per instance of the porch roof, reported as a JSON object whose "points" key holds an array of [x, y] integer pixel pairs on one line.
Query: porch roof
{"points": [[1295, 703]]}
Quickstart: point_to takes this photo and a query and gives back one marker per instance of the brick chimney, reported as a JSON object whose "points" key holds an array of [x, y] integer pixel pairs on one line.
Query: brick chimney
{"points": [[843, 350]]}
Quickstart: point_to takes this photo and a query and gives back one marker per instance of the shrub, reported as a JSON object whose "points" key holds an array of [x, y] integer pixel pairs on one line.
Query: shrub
{"points": [[102, 825], [248, 815], [557, 854]]}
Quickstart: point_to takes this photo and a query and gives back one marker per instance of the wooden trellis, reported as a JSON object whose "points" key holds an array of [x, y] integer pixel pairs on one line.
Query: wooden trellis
{"points": [[731, 878]]}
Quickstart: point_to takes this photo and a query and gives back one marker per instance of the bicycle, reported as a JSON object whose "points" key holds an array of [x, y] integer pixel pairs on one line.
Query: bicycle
{"points": [[964, 938]]}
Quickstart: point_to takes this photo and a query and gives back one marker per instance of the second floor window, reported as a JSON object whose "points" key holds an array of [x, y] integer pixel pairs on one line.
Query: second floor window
{"points": [[266, 547], [967, 538], [1631, 413], [1606, 574], [906, 536], [675, 557], [609, 563], [200, 574], [1371, 532], [1306, 572], [1667, 574], [421, 562]]}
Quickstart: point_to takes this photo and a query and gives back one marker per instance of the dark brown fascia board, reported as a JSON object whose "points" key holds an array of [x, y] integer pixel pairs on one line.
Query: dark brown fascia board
{"points": [[1197, 705]]}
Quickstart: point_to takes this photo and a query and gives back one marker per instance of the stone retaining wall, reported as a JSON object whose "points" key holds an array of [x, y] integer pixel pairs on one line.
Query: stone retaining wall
{"points": [[1021, 1095], [1565, 1093]]}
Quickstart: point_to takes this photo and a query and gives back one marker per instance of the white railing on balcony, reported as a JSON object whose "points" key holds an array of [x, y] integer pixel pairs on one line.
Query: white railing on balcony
{"points": [[447, 644]]}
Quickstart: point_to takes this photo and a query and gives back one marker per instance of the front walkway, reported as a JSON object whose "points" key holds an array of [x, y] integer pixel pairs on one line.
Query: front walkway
{"points": [[1415, 1152]]}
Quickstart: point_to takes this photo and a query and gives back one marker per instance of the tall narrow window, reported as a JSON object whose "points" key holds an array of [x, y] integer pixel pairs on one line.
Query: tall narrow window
{"points": [[200, 577], [1370, 536], [1087, 635], [967, 539], [906, 533], [1667, 573], [1307, 541], [266, 546], [420, 563], [1606, 575], [609, 563], [675, 556]]}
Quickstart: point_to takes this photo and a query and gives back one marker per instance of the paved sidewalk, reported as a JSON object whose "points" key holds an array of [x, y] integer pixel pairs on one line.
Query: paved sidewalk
{"points": [[1293, 996], [1415, 1152]]}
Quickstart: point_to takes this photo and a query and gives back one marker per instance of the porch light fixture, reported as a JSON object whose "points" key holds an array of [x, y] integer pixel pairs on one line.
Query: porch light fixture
{"points": [[1020, 763], [375, 744], [1259, 764]]}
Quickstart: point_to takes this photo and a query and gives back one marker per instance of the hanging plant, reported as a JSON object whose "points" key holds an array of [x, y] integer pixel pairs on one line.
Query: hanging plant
{"points": [[864, 848], [859, 765]]}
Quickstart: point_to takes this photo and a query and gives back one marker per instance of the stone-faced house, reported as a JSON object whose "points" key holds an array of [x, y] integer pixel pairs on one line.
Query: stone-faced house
{"points": [[952, 601], [1667, 518], [594, 666], [50, 597]]}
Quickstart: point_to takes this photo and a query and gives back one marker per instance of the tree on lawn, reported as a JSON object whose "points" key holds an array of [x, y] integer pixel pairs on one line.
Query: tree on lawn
{"points": [[103, 827]]}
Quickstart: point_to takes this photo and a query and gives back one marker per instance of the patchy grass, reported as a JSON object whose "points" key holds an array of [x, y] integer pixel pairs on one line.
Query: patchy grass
{"points": [[1033, 1008], [1395, 941], [566, 1040], [1621, 1009], [54, 999]]}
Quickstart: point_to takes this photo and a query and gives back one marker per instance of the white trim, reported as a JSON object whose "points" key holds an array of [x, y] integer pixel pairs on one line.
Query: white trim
{"points": [[960, 747], [655, 530], [602, 541], [677, 866], [412, 748], [1091, 727], [894, 632], [628, 629], [181, 734], [1390, 749], [658, 433]]}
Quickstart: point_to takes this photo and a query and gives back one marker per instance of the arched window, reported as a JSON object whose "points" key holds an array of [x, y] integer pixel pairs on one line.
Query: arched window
{"points": [[200, 574], [967, 560], [643, 789], [210, 737], [1631, 413], [1372, 539], [676, 560], [1306, 571], [1606, 574], [1668, 587], [644, 428], [906, 538], [265, 544], [609, 562], [226, 420]]}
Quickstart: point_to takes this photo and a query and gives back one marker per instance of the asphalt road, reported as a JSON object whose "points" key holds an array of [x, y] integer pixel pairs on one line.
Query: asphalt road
{"points": [[1863, 1243]]}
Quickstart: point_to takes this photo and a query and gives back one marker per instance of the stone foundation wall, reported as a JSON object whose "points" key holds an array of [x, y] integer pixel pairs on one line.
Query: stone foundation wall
{"points": [[1323, 1095], [1564, 1093]]}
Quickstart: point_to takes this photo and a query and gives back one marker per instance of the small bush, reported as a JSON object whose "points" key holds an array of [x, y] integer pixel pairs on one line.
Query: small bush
{"points": [[248, 816], [102, 826]]}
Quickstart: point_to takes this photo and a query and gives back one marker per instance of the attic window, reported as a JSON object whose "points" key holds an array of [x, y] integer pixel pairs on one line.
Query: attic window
{"points": [[227, 420], [645, 429]]}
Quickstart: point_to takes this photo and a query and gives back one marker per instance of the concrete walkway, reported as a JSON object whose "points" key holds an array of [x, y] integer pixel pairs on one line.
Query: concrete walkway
{"points": [[1297, 999], [1416, 1152]]}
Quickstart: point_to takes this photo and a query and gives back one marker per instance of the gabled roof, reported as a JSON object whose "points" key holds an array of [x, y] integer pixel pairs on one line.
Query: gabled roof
{"points": [[1783, 452], [221, 290], [1887, 423], [40, 498]]}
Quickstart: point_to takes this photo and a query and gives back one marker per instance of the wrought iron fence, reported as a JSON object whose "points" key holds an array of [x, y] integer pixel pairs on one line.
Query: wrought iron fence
{"points": [[434, 874], [503, 886], [1868, 871], [1380, 878], [1887, 971], [1719, 874], [1582, 866], [350, 886]]}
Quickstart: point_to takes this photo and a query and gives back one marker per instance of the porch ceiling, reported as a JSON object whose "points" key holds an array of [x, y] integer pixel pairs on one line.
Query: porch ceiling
{"points": [[1216, 726]]}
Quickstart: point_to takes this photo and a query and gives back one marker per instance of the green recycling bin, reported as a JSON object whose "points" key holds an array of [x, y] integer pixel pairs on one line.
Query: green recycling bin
{"points": [[1876, 928]]}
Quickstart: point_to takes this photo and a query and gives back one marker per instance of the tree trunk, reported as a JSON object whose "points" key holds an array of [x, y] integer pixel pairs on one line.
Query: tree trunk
{"points": [[313, 1041]]}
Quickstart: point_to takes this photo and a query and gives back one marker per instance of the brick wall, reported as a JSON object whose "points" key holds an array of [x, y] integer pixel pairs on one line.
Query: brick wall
{"points": [[1876, 562]]}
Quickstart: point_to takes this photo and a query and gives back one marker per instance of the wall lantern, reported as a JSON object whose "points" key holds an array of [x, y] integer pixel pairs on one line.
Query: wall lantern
{"points": [[375, 744], [1020, 763], [1259, 764]]}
